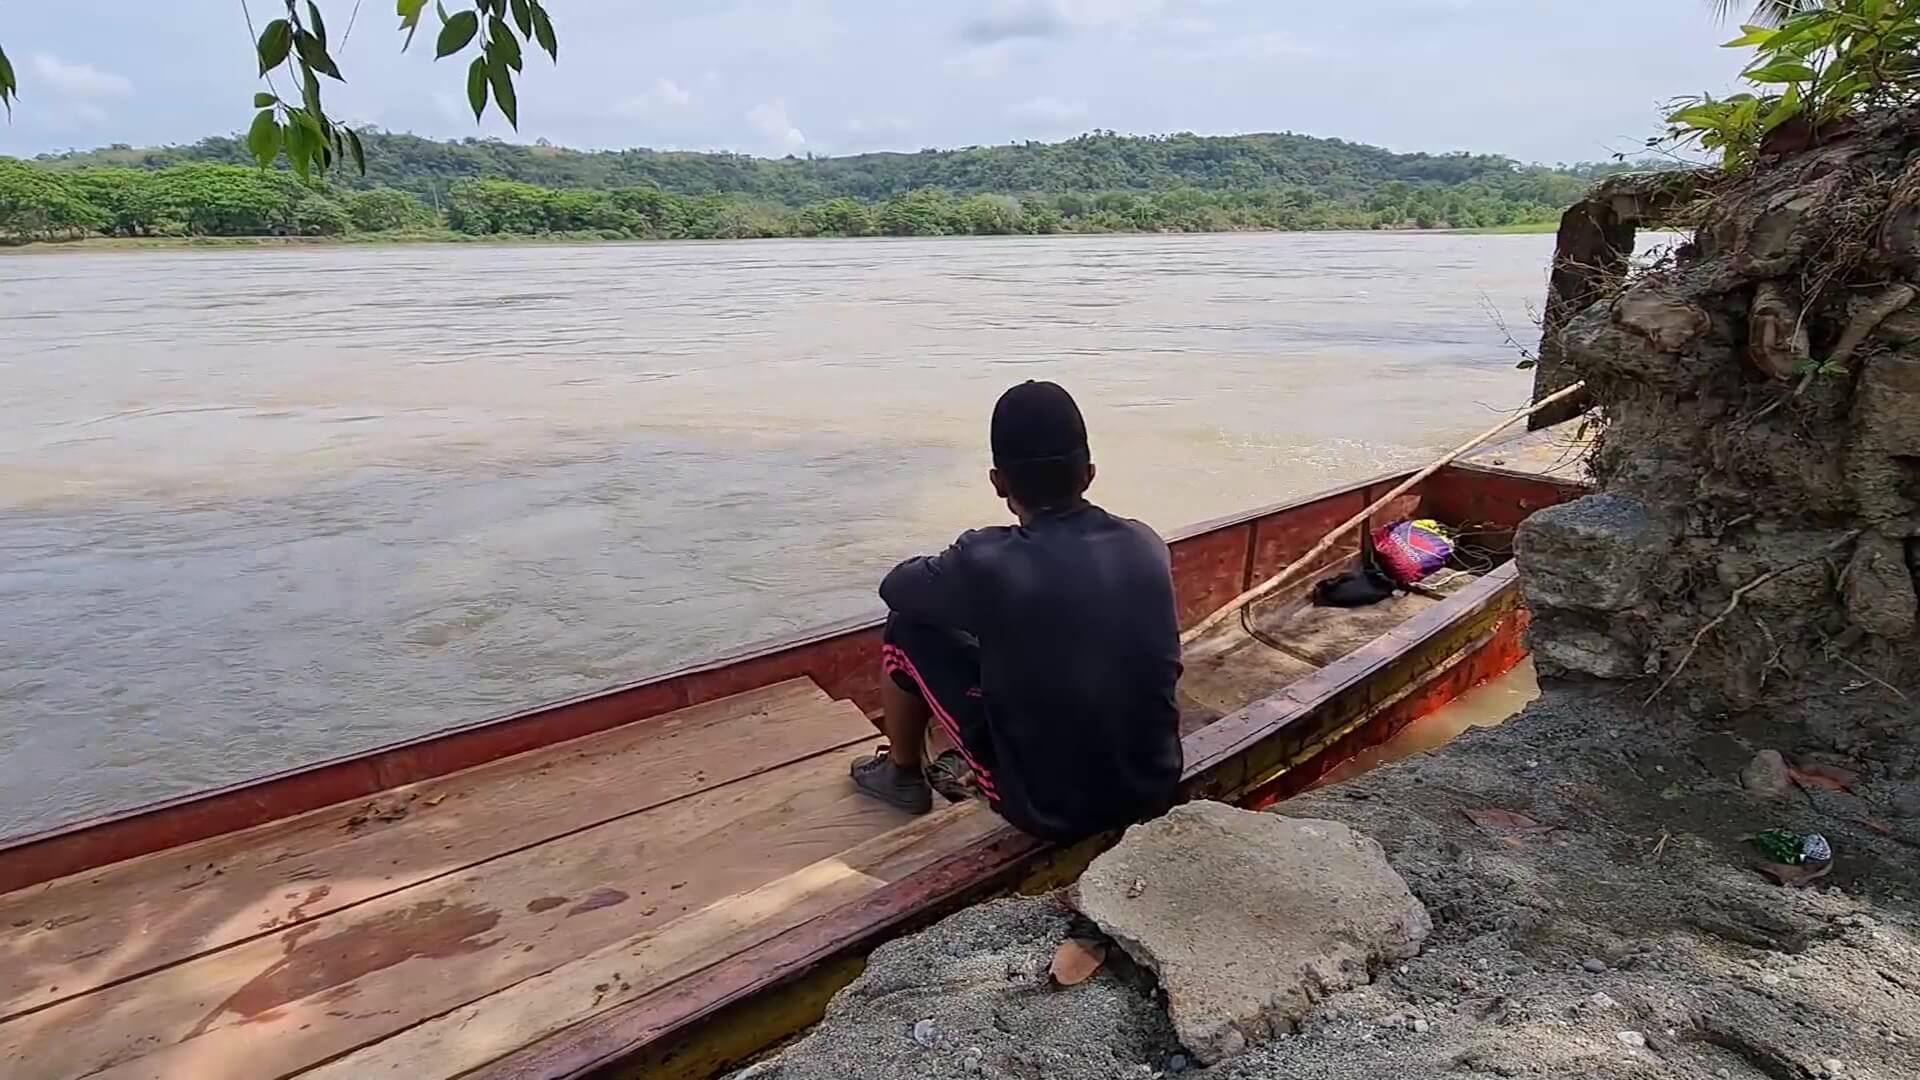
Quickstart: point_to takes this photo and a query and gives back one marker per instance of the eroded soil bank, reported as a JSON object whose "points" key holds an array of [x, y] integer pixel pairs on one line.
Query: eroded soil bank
{"points": [[1628, 935]]}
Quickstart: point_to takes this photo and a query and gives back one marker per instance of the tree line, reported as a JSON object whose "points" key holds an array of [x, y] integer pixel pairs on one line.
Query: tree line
{"points": [[1096, 183], [235, 200], [1090, 164]]}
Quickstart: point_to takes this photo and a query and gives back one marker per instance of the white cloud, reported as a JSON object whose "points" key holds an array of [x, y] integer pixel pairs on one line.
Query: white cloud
{"points": [[664, 94], [79, 80], [770, 119], [1049, 109]]}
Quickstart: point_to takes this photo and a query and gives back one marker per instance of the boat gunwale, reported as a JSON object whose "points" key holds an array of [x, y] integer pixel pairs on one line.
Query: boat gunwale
{"points": [[36, 858], [1245, 755]]}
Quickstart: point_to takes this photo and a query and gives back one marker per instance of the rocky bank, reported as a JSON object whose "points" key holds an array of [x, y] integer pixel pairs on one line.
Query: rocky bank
{"points": [[1732, 634], [1616, 928]]}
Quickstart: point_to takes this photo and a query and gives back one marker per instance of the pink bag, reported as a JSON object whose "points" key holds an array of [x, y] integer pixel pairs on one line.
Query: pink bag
{"points": [[1410, 550]]}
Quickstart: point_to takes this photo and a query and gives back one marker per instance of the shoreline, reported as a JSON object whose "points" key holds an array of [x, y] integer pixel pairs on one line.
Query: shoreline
{"points": [[173, 243], [1617, 931]]}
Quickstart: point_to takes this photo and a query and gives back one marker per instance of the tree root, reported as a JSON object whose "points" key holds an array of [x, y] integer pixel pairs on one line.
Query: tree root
{"points": [[1740, 594], [1777, 332], [1866, 322]]}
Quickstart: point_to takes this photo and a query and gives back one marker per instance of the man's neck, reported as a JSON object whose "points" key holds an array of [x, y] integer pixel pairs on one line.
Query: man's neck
{"points": [[1028, 517]]}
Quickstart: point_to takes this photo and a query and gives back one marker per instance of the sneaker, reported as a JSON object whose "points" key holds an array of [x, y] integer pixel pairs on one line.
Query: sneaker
{"points": [[950, 776], [880, 778]]}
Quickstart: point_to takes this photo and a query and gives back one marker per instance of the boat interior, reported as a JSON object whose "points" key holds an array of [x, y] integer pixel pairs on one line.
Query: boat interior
{"points": [[459, 923]]}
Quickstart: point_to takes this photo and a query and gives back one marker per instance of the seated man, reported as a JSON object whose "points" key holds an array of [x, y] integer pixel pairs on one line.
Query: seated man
{"points": [[1046, 652]]}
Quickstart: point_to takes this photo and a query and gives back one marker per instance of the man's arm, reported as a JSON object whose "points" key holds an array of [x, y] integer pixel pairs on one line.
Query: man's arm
{"points": [[931, 589]]}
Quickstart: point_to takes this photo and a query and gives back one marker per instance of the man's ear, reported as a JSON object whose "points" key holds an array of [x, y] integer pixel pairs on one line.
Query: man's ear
{"points": [[1091, 473], [999, 485]]}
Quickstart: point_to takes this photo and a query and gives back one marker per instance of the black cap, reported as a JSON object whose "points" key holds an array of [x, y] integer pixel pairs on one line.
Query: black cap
{"points": [[1036, 422]]}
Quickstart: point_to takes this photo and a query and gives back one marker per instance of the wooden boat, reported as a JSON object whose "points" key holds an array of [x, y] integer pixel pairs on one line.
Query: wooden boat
{"points": [[664, 879]]}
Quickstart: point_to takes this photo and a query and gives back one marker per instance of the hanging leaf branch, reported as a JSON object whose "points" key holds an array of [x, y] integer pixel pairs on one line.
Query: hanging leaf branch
{"points": [[9, 89], [296, 47]]}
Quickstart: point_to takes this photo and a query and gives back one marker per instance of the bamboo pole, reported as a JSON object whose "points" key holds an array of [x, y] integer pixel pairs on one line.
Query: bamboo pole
{"points": [[1292, 569]]}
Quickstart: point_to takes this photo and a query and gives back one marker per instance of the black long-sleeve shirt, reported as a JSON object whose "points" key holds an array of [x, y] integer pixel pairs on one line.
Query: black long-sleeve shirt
{"points": [[1079, 656]]}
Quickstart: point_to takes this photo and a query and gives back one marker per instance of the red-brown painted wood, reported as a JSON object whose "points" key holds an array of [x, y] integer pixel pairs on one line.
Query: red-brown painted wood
{"points": [[1503, 649], [1215, 761], [1211, 563]]}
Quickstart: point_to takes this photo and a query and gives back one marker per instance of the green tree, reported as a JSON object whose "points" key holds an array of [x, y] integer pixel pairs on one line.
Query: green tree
{"points": [[921, 212], [990, 215], [838, 217], [35, 204], [127, 197], [226, 200], [315, 213], [386, 210]]}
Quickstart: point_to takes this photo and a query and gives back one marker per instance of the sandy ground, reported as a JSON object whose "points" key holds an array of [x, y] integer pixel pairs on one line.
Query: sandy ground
{"points": [[1630, 938]]}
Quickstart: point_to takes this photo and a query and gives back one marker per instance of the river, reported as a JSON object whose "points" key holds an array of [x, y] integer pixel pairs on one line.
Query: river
{"points": [[262, 507]]}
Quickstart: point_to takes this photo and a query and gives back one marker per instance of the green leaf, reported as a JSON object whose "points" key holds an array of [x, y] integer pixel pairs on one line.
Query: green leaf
{"points": [[264, 101], [310, 91], [317, 24], [455, 35], [359, 152], [9, 89], [1782, 71], [543, 32], [409, 12], [1754, 35], [275, 41], [504, 42], [477, 86], [314, 55], [264, 137], [501, 78], [303, 145], [523, 18], [1787, 109]]}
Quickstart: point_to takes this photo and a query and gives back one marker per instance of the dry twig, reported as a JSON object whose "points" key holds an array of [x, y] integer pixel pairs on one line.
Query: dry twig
{"points": [[1740, 594], [1870, 675]]}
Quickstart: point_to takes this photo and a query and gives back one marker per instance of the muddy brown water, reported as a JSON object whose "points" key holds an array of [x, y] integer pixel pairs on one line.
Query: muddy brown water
{"points": [[259, 508]]}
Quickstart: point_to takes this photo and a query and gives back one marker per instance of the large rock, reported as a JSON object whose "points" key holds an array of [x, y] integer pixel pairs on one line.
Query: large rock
{"points": [[971, 997], [1880, 593], [1647, 336], [1888, 403], [1567, 646], [1600, 553], [1249, 919]]}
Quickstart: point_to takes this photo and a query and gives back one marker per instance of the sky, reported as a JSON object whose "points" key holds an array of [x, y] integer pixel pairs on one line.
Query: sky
{"points": [[1538, 80]]}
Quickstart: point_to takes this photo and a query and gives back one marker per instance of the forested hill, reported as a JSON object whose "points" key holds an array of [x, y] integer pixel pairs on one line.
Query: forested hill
{"points": [[1331, 169]]}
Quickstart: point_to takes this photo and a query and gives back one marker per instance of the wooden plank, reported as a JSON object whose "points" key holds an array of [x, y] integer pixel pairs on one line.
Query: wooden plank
{"points": [[275, 1005], [526, 1012], [1325, 634], [711, 1021], [839, 658], [80, 933]]}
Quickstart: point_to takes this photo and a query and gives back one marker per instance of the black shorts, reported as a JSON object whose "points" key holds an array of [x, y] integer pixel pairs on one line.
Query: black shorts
{"points": [[942, 668]]}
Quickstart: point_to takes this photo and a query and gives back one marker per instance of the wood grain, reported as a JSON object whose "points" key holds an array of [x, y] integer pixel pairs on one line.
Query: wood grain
{"points": [[76, 934], [526, 1012], [277, 1004]]}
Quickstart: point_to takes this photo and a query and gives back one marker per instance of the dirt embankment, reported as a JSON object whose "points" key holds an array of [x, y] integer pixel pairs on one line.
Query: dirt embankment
{"points": [[1760, 447], [1618, 931]]}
